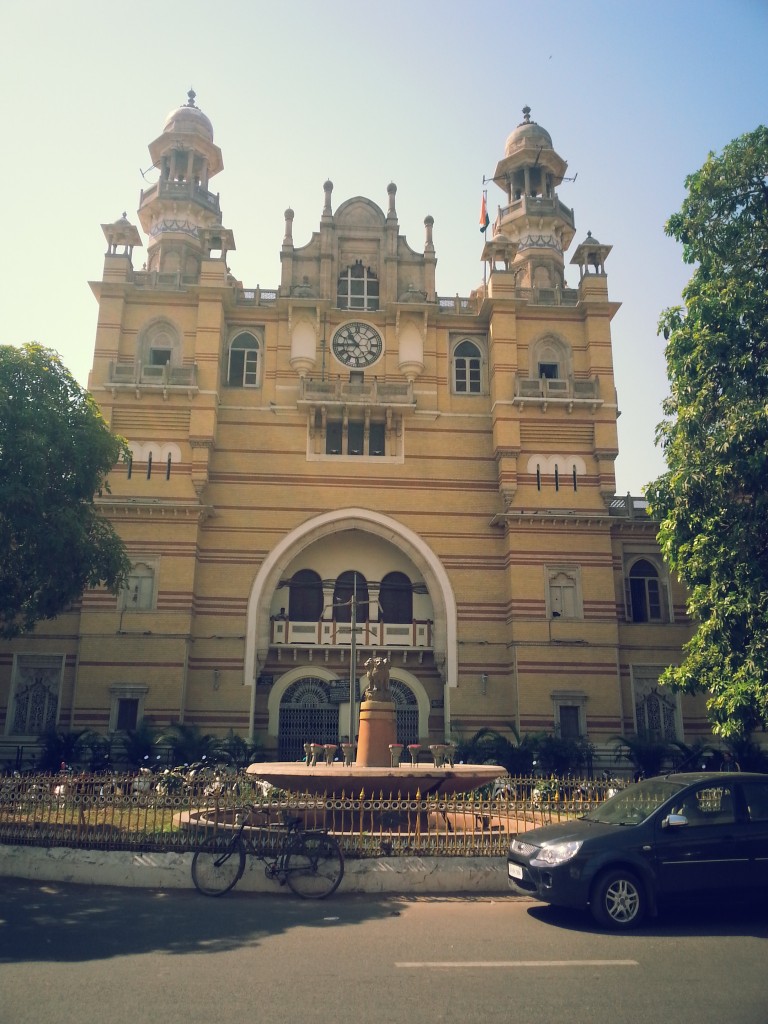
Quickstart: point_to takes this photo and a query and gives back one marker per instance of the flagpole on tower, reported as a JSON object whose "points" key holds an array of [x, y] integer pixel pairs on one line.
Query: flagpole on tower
{"points": [[484, 222]]}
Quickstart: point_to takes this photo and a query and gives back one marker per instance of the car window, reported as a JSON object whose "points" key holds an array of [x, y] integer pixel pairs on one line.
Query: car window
{"points": [[634, 804], [708, 805], [756, 796]]}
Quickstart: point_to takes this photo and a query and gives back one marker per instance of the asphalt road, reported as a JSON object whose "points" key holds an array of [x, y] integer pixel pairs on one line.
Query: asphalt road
{"points": [[117, 956]]}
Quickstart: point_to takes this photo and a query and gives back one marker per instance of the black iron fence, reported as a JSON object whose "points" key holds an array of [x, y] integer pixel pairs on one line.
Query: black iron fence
{"points": [[176, 810]]}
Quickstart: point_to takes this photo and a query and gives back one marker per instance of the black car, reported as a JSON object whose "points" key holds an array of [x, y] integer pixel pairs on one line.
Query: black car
{"points": [[697, 836]]}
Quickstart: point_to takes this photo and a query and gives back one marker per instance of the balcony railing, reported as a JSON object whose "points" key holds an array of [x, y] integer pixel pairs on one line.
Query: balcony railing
{"points": [[584, 391], [128, 375], [343, 392], [328, 633], [182, 190], [533, 205]]}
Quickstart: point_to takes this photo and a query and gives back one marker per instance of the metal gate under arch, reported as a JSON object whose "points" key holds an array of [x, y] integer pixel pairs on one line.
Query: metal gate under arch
{"points": [[407, 712], [306, 716]]}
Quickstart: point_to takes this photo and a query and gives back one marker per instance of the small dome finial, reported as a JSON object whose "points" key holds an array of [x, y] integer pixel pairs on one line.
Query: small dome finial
{"points": [[191, 98], [527, 115]]}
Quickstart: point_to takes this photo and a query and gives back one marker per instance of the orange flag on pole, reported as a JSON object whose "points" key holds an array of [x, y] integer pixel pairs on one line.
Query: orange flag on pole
{"points": [[484, 218]]}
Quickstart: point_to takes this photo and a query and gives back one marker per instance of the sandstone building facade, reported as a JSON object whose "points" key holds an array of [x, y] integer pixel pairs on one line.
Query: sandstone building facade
{"points": [[350, 464]]}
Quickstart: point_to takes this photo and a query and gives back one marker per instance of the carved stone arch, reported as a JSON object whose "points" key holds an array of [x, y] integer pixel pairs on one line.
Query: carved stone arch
{"points": [[547, 351], [258, 636], [157, 336]]}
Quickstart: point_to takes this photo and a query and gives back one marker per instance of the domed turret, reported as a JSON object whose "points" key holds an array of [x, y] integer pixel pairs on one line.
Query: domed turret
{"points": [[189, 118], [534, 229], [527, 134], [179, 214]]}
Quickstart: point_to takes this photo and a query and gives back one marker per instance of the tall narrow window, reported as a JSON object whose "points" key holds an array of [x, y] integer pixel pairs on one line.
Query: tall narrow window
{"points": [[243, 369], [645, 593], [466, 368], [396, 598], [564, 599], [36, 694], [569, 721], [305, 601]]}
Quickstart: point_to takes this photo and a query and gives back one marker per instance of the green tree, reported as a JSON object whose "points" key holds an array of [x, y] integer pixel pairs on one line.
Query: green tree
{"points": [[55, 453], [712, 503]]}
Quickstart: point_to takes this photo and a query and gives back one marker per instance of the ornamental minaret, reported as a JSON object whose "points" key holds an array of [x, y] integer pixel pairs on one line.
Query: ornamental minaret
{"points": [[179, 215], [534, 224]]}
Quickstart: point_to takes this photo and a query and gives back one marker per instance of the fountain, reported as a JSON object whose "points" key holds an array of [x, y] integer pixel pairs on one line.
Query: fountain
{"points": [[377, 767]]}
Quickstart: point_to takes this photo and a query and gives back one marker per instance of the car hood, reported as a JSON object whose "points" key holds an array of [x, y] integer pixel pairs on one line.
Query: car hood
{"points": [[577, 830]]}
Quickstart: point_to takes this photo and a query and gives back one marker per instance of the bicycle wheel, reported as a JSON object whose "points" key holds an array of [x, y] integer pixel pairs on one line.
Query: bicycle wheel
{"points": [[313, 866], [218, 864]]}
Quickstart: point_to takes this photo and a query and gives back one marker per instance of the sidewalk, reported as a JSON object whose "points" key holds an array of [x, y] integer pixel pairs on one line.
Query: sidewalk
{"points": [[423, 875]]}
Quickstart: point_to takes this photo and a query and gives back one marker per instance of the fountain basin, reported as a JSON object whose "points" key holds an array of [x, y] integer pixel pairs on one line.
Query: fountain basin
{"points": [[352, 780]]}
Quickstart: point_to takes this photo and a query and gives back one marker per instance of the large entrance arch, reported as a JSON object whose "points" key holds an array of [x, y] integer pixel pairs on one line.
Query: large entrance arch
{"points": [[409, 543]]}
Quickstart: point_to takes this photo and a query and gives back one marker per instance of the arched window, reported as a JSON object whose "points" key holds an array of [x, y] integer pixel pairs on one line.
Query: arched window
{"points": [[550, 359], [396, 598], [243, 368], [305, 601], [466, 368], [358, 288], [160, 349], [645, 596], [343, 595]]}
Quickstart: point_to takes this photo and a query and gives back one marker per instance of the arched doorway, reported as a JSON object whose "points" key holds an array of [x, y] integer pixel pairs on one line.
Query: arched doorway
{"points": [[306, 716]]}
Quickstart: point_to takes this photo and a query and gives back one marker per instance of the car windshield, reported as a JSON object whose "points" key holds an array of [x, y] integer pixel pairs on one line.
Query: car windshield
{"points": [[635, 803]]}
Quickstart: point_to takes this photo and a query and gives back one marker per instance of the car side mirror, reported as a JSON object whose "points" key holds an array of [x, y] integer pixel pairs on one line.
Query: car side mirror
{"points": [[674, 821]]}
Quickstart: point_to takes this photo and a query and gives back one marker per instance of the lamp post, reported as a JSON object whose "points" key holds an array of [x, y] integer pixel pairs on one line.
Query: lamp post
{"points": [[352, 666]]}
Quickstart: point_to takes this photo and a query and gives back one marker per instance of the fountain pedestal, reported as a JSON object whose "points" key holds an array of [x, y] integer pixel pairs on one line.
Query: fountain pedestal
{"points": [[377, 730]]}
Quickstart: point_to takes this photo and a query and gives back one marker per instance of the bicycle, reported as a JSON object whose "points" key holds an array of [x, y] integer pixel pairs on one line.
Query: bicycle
{"points": [[309, 862]]}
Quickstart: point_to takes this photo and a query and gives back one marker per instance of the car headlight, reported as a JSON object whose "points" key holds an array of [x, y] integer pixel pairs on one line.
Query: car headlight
{"points": [[556, 853]]}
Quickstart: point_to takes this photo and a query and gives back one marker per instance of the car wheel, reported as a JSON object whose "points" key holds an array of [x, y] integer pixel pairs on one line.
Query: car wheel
{"points": [[618, 900]]}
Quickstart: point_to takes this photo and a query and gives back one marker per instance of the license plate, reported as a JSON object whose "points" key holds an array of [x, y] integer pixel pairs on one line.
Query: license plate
{"points": [[515, 871]]}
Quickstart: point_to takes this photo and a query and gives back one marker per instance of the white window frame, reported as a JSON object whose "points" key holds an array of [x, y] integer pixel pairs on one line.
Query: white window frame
{"points": [[479, 346], [252, 361], [369, 301]]}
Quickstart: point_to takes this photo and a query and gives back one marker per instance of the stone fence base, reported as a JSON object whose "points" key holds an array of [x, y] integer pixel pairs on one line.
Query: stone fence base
{"points": [[395, 875]]}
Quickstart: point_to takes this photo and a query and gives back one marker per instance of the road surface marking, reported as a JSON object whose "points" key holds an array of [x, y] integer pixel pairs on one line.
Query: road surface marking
{"points": [[452, 964]]}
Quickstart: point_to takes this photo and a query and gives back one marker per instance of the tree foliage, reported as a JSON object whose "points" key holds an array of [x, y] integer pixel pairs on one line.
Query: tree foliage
{"points": [[55, 453], [712, 503]]}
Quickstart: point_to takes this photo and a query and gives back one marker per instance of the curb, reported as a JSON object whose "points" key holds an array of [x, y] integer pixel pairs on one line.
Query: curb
{"points": [[395, 875]]}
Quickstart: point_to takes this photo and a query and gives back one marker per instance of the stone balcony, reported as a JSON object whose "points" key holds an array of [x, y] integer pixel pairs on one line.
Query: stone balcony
{"points": [[338, 391], [569, 392]]}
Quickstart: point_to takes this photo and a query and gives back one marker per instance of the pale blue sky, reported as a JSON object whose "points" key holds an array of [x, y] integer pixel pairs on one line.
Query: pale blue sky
{"points": [[419, 92]]}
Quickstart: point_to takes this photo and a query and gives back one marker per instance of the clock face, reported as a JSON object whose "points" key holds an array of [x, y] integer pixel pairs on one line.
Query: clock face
{"points": [[357, 345]]}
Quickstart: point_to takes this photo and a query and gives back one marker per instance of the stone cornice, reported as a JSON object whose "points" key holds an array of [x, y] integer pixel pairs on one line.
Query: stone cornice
{"points": [[154, 508]]}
